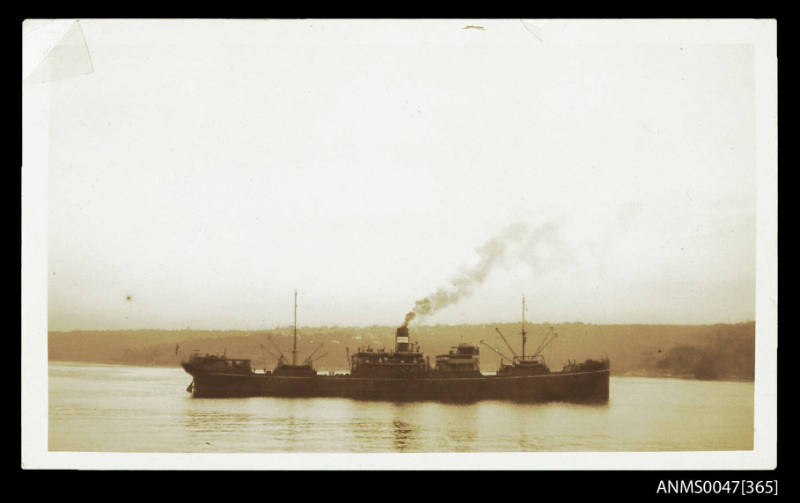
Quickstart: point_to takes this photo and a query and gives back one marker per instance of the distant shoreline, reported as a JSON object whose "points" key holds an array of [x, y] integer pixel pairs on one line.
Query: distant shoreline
{"points": [[714, 352]]}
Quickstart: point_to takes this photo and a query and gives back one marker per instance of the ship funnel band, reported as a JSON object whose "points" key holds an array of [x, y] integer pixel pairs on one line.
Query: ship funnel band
{"points": [[402, 339]]}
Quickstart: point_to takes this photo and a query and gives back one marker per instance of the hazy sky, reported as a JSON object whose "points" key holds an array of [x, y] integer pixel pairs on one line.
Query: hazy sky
{"points": [[204, 170]]}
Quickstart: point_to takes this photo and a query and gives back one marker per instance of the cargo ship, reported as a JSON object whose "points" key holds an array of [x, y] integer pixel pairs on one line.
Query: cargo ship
{"points": [[405, 373]]}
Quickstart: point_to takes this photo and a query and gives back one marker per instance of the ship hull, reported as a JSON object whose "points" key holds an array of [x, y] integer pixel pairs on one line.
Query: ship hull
{"points": [[589, 386]]}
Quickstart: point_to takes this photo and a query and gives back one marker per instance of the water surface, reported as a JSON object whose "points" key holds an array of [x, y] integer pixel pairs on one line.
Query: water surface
{"points": [[116, 408]]}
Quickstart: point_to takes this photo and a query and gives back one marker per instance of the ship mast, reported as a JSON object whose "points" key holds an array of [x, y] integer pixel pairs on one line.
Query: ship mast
{"points": [[524, 336], [294, 344]]}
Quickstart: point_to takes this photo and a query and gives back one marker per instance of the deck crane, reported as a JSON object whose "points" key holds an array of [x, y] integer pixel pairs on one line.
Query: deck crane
{"points": [[310, 358], [282, 358], [550, 337], [496, 351], [507, 344]]}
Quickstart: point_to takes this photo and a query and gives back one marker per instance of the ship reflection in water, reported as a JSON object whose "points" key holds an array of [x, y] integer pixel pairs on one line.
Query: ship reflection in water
{"points": [[403, 435], [118, 408], [331, 425]]}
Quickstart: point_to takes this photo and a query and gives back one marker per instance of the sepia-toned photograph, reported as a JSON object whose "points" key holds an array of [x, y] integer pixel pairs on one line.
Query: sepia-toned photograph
{"points": [[418, 243]]}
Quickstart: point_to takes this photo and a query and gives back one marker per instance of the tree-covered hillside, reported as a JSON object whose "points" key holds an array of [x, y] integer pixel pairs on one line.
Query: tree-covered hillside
{"points": [[707, 352]]}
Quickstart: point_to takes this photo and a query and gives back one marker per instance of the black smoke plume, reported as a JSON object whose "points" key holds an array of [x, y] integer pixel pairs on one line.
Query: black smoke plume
{"points": [[517, 241]]}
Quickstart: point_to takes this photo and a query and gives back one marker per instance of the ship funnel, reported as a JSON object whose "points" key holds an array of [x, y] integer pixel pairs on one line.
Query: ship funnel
{"points": [[401, 339]]}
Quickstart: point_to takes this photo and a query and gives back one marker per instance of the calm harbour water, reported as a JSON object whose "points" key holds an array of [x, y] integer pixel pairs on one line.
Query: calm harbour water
{"points": [[116, 408]]}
